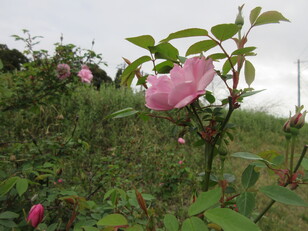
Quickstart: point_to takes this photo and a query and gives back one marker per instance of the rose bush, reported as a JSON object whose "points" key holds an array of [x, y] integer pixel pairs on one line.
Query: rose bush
{"points": [[184, 85]]}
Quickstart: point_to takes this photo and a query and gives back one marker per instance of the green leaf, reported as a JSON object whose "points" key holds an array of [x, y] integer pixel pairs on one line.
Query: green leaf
{"points": [[283, 195], [52, 227], [227, 65], [130, 69], [249, 177], [171, 223], [270, 17], [128, 80], [247, 156], [254, 14], [135, 228], [200, 47], [144, 41], [224, 31], [230, 220], [21, 186], [304, 163], [204, 201], [182, 59], [122, 113], [249, 72], [244, 50], [209, 97], [194, 224], [142, 80], [164, 67], [249, 93], [8, 215], [246, 203], [113, 220], [191, 32], [89, 228], [1, 64], [7, 185], [217, 56], [8, 223], [165, 51]]}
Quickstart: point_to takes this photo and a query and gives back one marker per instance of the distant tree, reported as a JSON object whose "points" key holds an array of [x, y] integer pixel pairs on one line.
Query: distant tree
{"points": [[11, 59], [99, 76], [117, 80]]}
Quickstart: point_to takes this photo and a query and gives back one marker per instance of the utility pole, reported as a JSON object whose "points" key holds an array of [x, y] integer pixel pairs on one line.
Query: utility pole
{"points": [[298, 83]]}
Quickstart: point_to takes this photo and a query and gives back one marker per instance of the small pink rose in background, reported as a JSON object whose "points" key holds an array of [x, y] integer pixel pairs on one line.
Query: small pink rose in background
{"points": [[181, 162], [63, 71], [181, 140], [36, 215], [184, 85], [60, 181], [85, 74]]}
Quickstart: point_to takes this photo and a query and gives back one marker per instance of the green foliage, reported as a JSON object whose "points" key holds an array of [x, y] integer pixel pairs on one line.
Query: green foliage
{"points": [[113, 220], [204, 201], [230, 220], [191, 32], [249, 73], [194, 224], [224, 31], [246, 203], [249, 177], [171, 223], [144, 41], [283, 195], [200, 47]]}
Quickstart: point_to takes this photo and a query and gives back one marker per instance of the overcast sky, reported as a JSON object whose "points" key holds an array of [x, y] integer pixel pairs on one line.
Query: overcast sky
{"points": [[110, 22]]}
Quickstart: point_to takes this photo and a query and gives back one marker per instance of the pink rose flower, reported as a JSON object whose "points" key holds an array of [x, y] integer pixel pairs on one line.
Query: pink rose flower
{"points": [[181, 140], [60, 181], [85, 74], [63, 71], [181, 162], [36, 215], [184, 85]]}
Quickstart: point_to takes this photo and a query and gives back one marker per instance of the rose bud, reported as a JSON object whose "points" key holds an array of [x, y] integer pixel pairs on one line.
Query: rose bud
{"points": [[36, 215]]}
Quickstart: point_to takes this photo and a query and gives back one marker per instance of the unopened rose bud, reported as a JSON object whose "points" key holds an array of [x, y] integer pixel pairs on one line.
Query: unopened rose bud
{"points": [[36, 215], [239, 18], [181, 162], [286, 127], [298, 120], [181, 140]]}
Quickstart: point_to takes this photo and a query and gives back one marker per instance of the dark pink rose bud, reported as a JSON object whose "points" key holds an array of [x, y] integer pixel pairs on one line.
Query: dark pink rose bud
{"points": [[298, 120], [36, 215], [286, 126]]}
